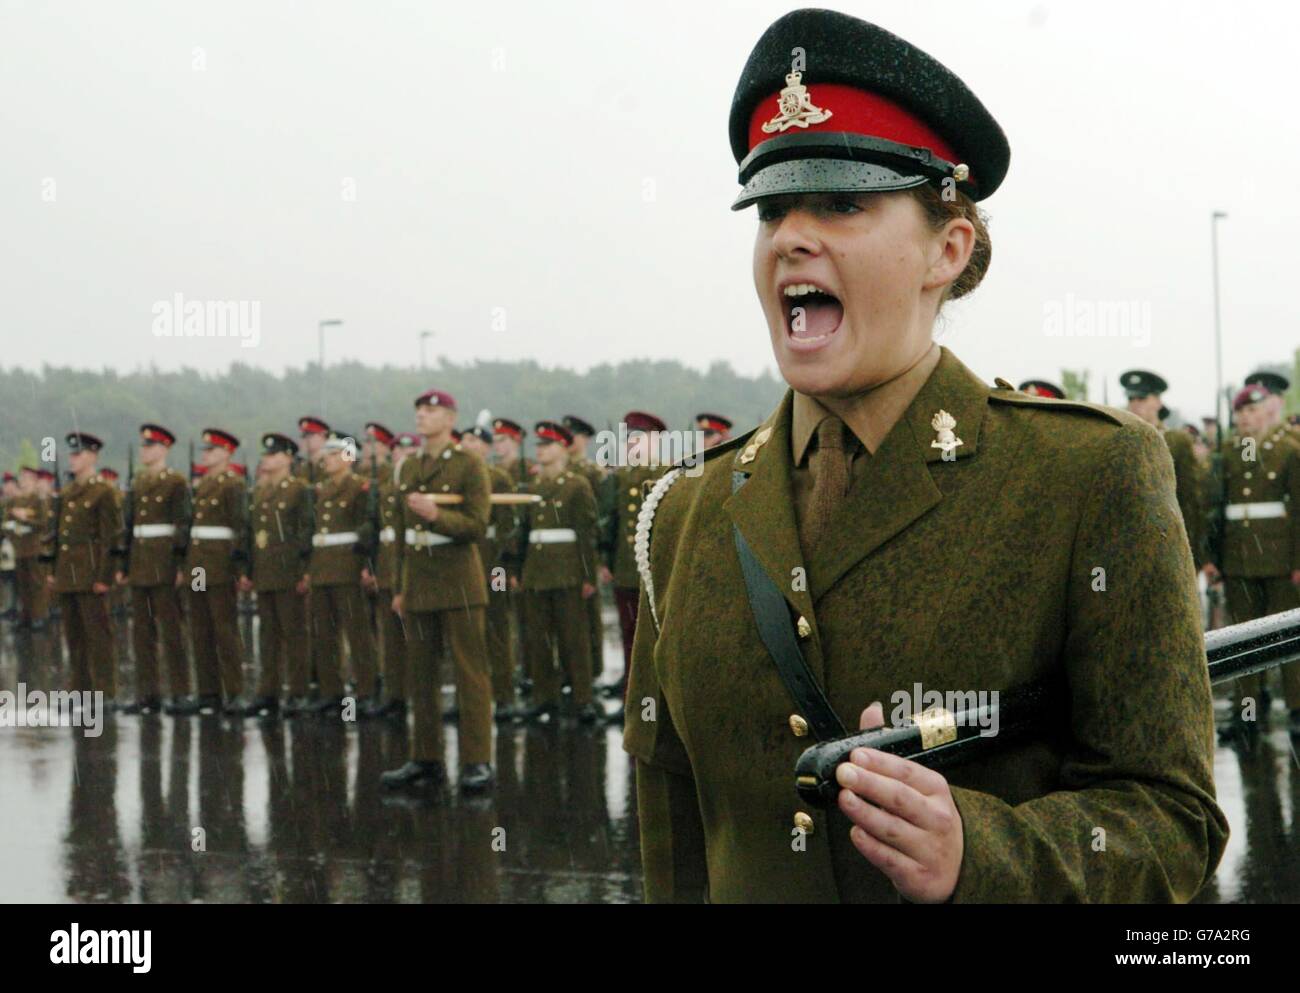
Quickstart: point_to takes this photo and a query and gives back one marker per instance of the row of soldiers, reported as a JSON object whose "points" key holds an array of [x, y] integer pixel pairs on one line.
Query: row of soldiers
{"points": [[1240, 501], [414, 546]]}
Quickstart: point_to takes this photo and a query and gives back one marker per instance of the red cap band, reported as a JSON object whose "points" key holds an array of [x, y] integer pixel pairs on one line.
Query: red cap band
{"points": [[857, 112]]}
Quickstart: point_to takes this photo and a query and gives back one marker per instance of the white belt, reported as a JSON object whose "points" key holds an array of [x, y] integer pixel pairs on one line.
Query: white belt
{"points": [[388, 536], [155, 530], [209, 532], [426, 538], [18, 529], [10, 525], [551, 536], [491, 531], [1255, 511], [339, 538]]}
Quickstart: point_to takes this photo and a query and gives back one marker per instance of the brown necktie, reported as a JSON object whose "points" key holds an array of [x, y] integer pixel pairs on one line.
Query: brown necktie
{"points": [[830, 481]]}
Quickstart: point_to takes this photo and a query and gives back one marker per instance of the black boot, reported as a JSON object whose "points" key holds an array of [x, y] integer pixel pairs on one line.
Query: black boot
{"points": [[235, 707], [181, 706], [543, 713], [146, 706], [295, 706], [451, 715], [415, 774], [394, 709], [327, 707], [475, 778], [209, 703], [505, 712], [263, 706], [589, 714]]}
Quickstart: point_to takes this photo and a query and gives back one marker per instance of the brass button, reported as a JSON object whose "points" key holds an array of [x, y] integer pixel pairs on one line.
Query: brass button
{"points": [[803, 627], [804, 822], [631, 508], [1245, 491], [799, 726], [632, 491], [1272, 475], [325, 517], [64, 547], [1248, 475]]}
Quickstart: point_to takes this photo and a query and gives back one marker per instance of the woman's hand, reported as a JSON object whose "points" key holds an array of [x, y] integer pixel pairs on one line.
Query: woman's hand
{"points": [[905, 822]]}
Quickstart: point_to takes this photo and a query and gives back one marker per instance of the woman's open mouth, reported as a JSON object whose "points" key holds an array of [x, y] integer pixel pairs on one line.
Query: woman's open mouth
{"points": [[812, 314]]}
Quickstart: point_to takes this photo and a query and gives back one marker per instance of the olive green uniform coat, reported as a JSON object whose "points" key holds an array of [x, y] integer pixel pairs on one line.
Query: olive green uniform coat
{"points": [[158, 499], [1187, 484], [595, 477], [555, 614], [25, 536], [1260, 554], [392, 643], [502, 529], [979, 573], [89, 527], [219, 501], [337, 603], [444, 593], [280, 519]]}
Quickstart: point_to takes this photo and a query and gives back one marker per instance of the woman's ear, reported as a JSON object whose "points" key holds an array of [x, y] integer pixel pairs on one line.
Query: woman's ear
{"points": [[952, 247]]}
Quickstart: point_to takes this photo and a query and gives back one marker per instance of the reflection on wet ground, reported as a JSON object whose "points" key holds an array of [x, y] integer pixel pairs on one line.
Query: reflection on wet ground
{"points": [[218, 809]]}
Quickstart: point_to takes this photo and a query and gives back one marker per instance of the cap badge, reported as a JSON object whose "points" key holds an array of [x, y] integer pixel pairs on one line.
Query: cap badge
{"points": [[796, 107], [943, 422]]}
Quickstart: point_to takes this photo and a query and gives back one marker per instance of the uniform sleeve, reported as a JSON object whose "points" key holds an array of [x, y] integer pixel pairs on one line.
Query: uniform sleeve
{"points": [[110, 528], [584, 523], [468, 521], [235, 499], [607, 512], [1187, 476], [1135, 819], [306, 519], [1293, 511], [673, 860]]}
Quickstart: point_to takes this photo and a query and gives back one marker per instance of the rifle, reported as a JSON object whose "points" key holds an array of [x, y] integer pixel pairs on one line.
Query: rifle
{"points": [[128, 513], [939, 739]]}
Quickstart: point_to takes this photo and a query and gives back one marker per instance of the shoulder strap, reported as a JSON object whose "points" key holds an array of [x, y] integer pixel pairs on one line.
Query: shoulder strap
{"points": [[773, 619]]}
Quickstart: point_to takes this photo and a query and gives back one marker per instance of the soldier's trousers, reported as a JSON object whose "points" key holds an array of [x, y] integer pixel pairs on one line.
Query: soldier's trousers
{"points": [[156, 617], [500, 647], [557, 621], [214, 638], [627, 600], [282, 642], [33, 594], [1253, 597], [462, 631], [596, 633], [336, 609], [392, 648], [89, 635]]}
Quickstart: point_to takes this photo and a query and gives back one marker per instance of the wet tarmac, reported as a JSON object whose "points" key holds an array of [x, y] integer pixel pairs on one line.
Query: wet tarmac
{"points": [[218, 809]]}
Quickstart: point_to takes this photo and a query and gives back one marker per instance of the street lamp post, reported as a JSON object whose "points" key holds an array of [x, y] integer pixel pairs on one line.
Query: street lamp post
{"points": [[424, 361], [320, 335]]}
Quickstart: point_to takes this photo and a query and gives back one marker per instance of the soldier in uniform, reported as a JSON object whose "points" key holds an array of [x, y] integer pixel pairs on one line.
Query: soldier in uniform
{"points": [[627, 490], [392, 642], [559, 573], [313, 432], [1276, 385], [117, 596], [715, 428], [1143, 390], [27, 517], [441, 593], [921, 527], [1260, 557], [280, 520], [157, 533], [1041, 388], [580, 463], [88, 528], [508, 447], [214, 562], [343, 531], [502, 530]]}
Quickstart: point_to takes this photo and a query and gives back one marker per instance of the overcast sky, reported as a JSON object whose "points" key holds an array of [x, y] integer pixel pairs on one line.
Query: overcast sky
{"points": [[552, 181]]}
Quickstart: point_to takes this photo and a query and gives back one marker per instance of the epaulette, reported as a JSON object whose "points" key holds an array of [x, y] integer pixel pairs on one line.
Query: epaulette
{"points": [[645, 518], [1004, 392]]}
